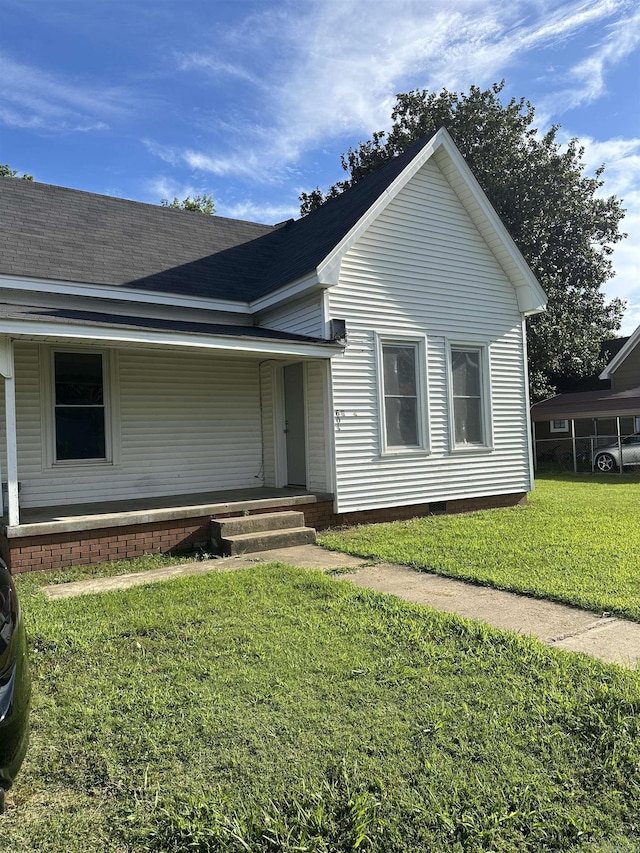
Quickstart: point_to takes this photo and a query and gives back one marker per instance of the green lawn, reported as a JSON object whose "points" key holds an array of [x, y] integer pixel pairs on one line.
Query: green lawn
{"points": [[577, 541], [276, 709]]}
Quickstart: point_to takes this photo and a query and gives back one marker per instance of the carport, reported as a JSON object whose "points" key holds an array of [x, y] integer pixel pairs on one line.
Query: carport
{"points": [[568, 428]]}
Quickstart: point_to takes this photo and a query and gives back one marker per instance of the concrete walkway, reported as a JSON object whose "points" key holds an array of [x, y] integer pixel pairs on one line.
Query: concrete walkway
{"points": [[602, 636]]}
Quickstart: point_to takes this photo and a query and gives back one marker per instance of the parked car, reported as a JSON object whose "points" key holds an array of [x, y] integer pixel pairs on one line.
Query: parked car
{"points": [[15, 684], [607, 458]]}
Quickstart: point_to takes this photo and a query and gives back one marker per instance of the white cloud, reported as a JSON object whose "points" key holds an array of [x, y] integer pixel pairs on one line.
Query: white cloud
{"points": [[165, 187], [30, 98], [622, 178], [215, 66], [256, 212], [336, 71], [586, 80]]}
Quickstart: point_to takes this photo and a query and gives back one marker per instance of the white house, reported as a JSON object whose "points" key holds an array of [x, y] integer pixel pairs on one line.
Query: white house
{"points": [[365, 362]]}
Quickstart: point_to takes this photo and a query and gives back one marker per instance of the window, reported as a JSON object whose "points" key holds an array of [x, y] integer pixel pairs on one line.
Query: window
{"points": [[402, 395], [469, 384], [79, 406], [559, 426]]}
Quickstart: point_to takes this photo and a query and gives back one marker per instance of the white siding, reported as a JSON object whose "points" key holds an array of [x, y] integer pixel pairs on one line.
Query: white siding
{"points": [[267, 395], [316, 426], [423, 268], [302, 317], [188, 423]]}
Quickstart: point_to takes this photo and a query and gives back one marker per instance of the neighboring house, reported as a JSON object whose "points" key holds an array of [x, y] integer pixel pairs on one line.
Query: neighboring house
{"points": [[363, 363], [604, 409]]}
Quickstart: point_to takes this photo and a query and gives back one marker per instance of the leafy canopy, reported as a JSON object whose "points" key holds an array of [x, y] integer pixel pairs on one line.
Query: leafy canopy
{"points": [[563, 227], [7, 172], [198, 204]]}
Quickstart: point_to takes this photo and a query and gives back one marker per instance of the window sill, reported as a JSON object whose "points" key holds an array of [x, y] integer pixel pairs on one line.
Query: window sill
{"points": [[404, 452], [81, 463], [465, 449]]}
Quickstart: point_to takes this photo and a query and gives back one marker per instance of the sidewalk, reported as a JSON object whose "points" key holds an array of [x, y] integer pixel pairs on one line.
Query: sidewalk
{"points": [[609, 638]]}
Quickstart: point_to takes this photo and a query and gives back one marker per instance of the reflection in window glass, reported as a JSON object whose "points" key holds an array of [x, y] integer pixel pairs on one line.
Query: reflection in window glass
{"points": [[400, 395], [79, 406], [468, 418]]}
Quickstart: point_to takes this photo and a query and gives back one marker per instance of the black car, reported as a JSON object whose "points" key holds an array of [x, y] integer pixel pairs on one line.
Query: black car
{"points": [[15, 684]]}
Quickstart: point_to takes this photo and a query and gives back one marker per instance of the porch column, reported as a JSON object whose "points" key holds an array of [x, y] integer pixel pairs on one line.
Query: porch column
{"points": [[7, 370]]}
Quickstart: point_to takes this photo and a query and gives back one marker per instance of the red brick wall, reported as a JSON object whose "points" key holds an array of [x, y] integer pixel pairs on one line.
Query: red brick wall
{"points": [[60, 550], [321, 515]]}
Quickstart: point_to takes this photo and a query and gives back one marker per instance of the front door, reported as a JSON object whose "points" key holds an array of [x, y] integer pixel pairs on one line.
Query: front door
{"points": [[294, 427]]}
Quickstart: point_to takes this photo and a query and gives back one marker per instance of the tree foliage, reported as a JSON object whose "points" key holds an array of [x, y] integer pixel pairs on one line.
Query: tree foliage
{"points": [[7, 172], [198, 204], [563, 227]]}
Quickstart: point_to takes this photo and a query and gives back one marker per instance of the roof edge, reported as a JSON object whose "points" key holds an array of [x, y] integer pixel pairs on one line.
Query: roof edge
{"points": [[531, 297], [621, 355]]}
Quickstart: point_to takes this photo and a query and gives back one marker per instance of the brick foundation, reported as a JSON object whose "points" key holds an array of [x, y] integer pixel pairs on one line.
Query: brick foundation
{"points": [[61, 550]]}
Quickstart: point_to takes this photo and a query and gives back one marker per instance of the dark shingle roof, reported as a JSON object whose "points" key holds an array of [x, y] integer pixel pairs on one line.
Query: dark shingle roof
{"points": [[72, 316], [57, 233], [52, 232], [586, 404]]}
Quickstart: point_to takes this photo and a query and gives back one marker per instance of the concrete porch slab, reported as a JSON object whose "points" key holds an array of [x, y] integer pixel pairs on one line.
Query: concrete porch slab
{"points": [[38, 521]]}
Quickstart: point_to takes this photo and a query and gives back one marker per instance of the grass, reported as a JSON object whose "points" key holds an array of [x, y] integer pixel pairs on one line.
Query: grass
{"points": [[276, 709], [578, 541], [32, 581]]}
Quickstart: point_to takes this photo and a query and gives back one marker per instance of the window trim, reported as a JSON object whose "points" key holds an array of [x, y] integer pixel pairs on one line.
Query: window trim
{"points": [[419, 342], [553, 428], [111, 413], [483, 347]]}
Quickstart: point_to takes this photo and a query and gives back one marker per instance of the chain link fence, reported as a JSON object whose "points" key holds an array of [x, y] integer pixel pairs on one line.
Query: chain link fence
{"points": [[567, 454]]}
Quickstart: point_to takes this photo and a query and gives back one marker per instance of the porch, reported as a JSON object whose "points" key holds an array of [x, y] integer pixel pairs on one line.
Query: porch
{"points": [[59, 536]]}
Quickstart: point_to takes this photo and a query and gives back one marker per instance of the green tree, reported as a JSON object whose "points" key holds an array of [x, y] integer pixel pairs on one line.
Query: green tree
{"points": [[198, 204], [565, 230], [7, 172]]}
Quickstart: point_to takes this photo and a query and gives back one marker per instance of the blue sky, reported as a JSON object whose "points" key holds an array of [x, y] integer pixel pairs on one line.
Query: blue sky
{"points": [[255, 101]]}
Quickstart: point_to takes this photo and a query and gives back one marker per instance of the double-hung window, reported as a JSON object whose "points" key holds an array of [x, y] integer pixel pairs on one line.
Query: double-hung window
{"points": [[79, 398], [403, 395], [469, 393]]}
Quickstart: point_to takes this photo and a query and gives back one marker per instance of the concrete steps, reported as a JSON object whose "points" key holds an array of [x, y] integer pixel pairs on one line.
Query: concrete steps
{"points": [[244, 534]]}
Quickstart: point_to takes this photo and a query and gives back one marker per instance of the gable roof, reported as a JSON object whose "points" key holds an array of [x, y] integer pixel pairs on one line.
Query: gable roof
{"points": [[630, 344], [61, 234]]}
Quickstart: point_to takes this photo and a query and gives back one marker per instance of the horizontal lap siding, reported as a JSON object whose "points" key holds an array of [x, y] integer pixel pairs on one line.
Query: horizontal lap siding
{"points": [[628, 374], [316, 428], [267, 379], [187, 423], [302, 317], [423, 268]]}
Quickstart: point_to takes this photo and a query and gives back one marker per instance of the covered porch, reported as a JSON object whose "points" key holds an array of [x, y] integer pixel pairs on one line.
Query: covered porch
{"points": [[59, 536], [192, 422]]}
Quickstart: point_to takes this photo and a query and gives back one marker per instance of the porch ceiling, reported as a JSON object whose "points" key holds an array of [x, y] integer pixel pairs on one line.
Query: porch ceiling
{"points": [[37, 521]]}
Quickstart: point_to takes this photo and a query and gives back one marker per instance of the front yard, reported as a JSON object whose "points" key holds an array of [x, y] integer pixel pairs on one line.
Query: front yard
{"points": [[277, 709], [578, 542]]}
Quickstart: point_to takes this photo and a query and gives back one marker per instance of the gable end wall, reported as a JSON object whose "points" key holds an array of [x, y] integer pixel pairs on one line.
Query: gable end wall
{"points": [[423, 268]]}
